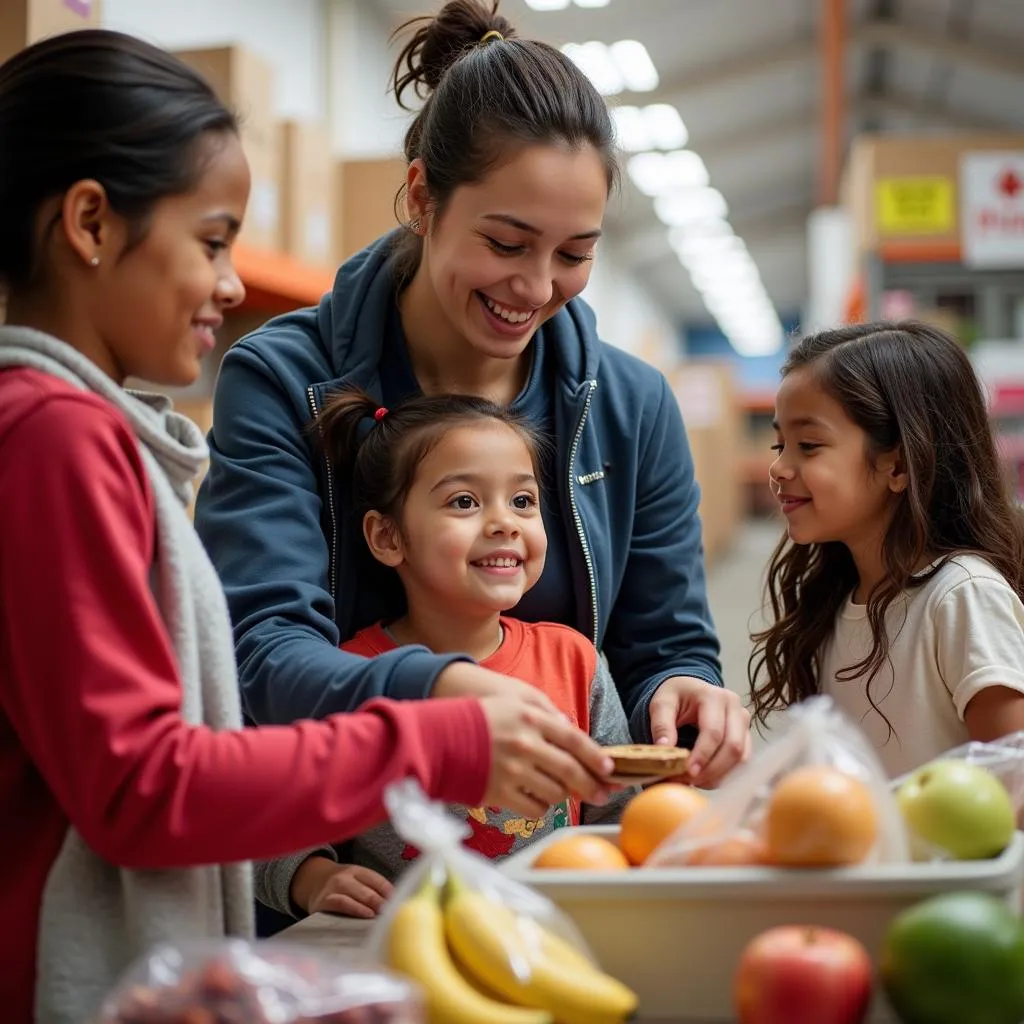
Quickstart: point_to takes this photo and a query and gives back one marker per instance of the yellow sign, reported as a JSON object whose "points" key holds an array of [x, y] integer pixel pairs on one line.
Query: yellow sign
{"points": [[919, 205]]}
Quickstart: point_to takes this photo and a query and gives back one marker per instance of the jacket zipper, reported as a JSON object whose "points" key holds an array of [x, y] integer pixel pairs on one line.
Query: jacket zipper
{"points": [[331, 512], [577, 518]]}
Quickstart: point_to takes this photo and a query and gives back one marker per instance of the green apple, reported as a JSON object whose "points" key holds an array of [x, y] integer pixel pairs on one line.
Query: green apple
{"points": [[959, 807], [957, 958]]}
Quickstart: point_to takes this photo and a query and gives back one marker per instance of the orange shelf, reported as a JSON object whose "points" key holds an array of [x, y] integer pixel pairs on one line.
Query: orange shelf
{"points": [[277, 282], [757, 401], [920, 252]]}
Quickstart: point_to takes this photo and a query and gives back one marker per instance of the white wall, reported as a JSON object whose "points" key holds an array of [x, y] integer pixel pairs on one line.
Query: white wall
{"points": [[365, 119], [288, 33], [627, 316]]}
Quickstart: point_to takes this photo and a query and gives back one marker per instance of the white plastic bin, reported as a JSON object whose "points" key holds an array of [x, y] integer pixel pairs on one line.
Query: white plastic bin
{"points": [[675, 935]]}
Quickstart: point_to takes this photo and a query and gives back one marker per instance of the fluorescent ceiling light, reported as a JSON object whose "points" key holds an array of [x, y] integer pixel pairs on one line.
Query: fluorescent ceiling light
{"points": [[631, 129], [658, 173], [690, 206], [709, 227], [665, 126], [764, 341], [595, 61], [548, 5], [635, 64], [723, 272], [732, 261], [692, 248], [725, 277], [592, 3], [657, 126], [623, 65], [709, 233]]}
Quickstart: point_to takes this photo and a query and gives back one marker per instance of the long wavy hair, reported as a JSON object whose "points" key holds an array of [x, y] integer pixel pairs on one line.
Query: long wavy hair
{"points": [[909, 387]]}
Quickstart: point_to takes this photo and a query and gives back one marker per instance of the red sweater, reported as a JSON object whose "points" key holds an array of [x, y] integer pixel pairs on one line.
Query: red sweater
{"points": [[90, 730]]}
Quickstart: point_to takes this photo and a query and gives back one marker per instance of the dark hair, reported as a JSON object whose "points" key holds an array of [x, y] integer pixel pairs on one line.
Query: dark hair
{"points": [[908, 386], [383, 450], [100, 105], [483, 97]]}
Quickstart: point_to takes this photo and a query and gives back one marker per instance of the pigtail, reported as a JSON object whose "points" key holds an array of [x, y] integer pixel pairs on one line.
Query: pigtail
{"points": [[344, 424]]}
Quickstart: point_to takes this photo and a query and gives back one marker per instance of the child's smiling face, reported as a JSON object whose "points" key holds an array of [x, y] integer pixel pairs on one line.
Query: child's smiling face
{"points": [[829, 487], [470, 535]]}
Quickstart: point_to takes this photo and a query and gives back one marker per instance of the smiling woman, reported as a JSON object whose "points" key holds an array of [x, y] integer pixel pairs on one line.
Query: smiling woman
{"points": [[510, 163]]}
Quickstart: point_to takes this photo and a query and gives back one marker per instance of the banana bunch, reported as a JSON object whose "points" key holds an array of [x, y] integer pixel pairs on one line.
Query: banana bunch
{"points": [[481, 963]]}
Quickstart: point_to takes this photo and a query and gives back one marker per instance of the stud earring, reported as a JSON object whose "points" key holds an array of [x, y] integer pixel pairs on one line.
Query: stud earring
{"points": [[414, 225], [94, 262]]}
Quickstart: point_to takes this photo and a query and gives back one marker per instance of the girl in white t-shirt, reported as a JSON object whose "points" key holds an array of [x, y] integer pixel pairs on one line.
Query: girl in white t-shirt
{"points": [[897, 588]]}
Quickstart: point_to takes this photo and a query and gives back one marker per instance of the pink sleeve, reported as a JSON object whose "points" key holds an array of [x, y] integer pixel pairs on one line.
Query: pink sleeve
{"points": [[89, 683]]}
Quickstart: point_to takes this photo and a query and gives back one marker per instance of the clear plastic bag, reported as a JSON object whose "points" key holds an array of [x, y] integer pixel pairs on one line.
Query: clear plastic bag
{"points": [[734, 828], [1003, 757], [235, 982], [483, 948]]}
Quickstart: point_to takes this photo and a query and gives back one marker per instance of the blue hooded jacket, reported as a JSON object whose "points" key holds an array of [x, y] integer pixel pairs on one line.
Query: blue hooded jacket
{"points": [[270, 513]]}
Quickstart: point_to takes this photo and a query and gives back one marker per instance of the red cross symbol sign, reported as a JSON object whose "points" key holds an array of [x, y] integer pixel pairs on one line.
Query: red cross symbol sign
{"points": [[1009, 184]]}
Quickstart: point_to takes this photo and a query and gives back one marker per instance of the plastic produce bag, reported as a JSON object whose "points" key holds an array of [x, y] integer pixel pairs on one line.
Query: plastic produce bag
{"points": [[234, 982], [484, 948], [1004, 758], [793, 803]]}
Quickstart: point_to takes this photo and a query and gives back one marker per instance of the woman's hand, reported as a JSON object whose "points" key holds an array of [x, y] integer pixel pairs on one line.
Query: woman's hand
{"points": [[538, 758], [320, 884], [719, 715]]}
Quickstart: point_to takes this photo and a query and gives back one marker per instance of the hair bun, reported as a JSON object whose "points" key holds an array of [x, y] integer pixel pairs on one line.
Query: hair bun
{"points": [[439, 41]]}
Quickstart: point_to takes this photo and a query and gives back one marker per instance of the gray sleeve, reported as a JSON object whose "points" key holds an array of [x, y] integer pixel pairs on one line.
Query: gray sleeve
{"points": [[608, 727], [272, 879]]}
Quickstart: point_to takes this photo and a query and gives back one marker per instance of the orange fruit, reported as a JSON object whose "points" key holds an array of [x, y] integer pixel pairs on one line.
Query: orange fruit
{"points": [[653, 815], [820, 817], [739, 850], [581, 852]]}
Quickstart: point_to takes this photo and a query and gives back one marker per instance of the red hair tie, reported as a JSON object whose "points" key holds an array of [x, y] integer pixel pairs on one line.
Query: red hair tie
{"points": [[380, 414]]}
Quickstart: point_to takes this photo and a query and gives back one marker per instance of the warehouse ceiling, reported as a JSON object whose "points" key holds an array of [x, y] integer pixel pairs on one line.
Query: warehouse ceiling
{"points": [[745, 76]]}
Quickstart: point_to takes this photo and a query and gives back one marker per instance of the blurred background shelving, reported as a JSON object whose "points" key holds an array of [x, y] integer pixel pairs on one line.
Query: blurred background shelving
{"points": [[788, 165]]}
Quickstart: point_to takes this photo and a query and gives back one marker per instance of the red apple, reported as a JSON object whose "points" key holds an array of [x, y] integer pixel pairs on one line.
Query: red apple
{"points": [[803, 975]]}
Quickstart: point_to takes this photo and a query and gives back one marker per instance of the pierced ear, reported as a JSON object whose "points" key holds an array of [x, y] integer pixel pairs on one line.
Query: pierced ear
{"points": [[383, 539], [86, 220], [897, 473], [417, 194]]}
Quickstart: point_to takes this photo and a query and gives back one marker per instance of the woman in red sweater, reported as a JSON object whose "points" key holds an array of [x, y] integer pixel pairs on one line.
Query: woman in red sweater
{"points": [[122, 187]]}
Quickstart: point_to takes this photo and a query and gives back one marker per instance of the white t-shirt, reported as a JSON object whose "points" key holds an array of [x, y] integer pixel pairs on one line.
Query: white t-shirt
{"points": [[954, 636]]}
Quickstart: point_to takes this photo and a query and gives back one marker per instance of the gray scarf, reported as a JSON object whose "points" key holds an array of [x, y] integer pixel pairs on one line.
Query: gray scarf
{"points": [[97, 917]]}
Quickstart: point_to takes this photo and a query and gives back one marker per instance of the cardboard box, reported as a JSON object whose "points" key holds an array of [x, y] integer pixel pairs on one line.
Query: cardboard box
{"points": [[245, 83], [307, 195], [23, 22], [707, 398], [368, 191], [906, 187]]}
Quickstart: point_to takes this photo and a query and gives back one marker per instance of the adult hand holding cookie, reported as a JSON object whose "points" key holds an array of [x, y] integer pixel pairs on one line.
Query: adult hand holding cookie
{"points": [[722, 721]]}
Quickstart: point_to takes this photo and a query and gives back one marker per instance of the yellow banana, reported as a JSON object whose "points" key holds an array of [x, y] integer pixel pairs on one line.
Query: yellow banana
{"points": [[416, 947], [522, 961]]}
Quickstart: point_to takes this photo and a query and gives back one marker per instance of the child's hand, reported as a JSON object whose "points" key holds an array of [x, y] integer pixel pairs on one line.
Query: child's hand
{"points": [[320, 885]]}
